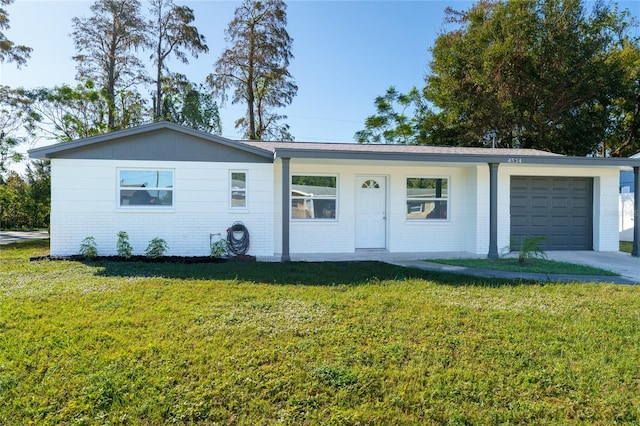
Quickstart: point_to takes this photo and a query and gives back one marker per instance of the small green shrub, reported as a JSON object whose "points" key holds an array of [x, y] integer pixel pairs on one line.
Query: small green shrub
{"points": [[88, 248], [530, 248], [124, 248], [156, 248], [218, 249]]}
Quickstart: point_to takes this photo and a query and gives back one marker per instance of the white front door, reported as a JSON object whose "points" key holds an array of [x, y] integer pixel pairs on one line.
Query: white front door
{"points": [[371, 212]]}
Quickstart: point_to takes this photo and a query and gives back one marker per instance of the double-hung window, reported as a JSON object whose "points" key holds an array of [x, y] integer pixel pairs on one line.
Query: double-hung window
{"points": [[145, 188], [427, 198], [313, 197], [238, 190]]}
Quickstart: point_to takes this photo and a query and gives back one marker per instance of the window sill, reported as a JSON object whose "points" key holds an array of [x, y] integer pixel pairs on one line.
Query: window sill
{"points": [[152, 210], [314, 221], [427, 221]]}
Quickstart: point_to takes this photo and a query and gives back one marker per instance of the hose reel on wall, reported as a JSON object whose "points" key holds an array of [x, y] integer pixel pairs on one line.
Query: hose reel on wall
{"points": [[238, 239]]}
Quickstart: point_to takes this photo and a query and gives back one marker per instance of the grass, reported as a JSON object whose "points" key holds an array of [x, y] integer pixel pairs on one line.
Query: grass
{"points": [[533, 265], [334, 343], [626, 246]]}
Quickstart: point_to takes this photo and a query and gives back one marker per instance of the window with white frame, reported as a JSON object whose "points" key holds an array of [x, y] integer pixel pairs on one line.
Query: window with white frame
{"points": [[313, 197], [427, 198], [145, 188], [238, 189]]}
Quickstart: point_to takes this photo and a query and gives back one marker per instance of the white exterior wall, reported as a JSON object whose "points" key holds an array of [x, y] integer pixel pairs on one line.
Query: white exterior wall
{"points": [[626, 216], [605, 200], [466, 230], [85, 203], [458, 233]]}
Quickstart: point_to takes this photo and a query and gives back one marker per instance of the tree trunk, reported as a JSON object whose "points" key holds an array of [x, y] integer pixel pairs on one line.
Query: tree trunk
{"points": [[250, 94]]}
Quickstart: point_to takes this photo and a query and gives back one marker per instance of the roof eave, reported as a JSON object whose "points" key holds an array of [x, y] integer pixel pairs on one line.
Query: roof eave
{"points": [[454, 158]]}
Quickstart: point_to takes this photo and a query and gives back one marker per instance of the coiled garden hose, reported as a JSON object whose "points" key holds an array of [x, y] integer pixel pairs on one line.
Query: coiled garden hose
{"points": [[238, 239]]}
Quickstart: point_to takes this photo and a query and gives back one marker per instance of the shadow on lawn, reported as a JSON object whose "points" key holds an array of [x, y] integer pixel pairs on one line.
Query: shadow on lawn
{"points": [[292, 273]]}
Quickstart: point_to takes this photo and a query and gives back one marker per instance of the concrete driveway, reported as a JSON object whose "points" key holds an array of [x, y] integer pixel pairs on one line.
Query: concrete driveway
{"points": [[622, 263], [8, 237]]}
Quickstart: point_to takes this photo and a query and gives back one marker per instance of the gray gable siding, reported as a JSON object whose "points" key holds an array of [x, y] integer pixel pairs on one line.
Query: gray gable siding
{"points": [[160, 141], [162, 145]]}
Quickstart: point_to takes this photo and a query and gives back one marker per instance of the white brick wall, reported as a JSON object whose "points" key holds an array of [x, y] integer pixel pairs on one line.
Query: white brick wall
{"points": [[84, 203], [459, 233], [626, 216]]}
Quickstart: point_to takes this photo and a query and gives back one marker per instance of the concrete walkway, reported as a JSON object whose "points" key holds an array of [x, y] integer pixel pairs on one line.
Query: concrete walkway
{"points": [[516, 276], [620, 263], [9, 237]]}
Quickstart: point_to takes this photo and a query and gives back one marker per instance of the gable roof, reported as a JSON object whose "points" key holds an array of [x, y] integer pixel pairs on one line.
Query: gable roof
{"points": [[431, 153], [160, 141], [166, 141]]}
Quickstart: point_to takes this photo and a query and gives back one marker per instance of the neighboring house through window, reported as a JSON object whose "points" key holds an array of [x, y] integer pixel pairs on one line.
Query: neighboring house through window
{"points": [[145, 188], [427, 198], [238, 189], [313, 197]]}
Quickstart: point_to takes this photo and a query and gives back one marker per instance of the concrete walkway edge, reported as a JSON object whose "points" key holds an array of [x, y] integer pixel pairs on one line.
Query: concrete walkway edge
{"points": [[512, 275]]}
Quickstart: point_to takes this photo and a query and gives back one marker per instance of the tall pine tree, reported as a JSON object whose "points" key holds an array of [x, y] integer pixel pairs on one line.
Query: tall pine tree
{"points": [[170, 33], [255, 68], [105, 44]]}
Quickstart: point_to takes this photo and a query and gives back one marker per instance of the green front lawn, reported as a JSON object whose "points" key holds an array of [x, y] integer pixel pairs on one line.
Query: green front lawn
{"points": [[626, 246], [532, 265], [317, 343]]}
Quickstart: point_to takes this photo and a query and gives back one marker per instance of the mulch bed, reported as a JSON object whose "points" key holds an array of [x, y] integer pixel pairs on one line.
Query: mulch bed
{"points": [[163, 259]]}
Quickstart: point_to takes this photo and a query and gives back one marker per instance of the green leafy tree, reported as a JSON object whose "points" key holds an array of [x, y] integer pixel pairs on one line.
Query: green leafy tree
{"points": [[399, 119], [191, 106], [25, 202], [623, 135], [543, 74], [67, 113], [16, 125], [38, 202], [256, 68], [105, 44], [9, 51], [170, 33], [13, 196]]}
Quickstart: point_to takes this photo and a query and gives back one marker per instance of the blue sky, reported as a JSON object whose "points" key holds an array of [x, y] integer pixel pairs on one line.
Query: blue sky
{"points": [[346, 54]]}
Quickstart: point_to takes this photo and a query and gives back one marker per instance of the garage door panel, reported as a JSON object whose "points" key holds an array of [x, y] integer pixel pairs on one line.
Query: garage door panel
{"points": [[581, 185], [520, 220], [559, 208], [540, 184], [559, 203], [539, 221], [560, 221], [580, 203], [539, 202], [560, 184], [520, 202], [579, 222]]}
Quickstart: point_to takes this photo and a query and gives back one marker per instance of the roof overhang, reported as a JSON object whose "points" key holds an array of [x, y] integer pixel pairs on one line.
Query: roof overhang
{"points": [[514, 159]]}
